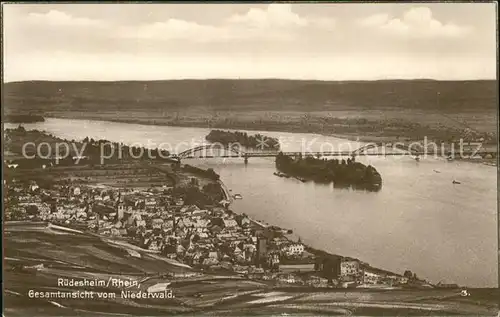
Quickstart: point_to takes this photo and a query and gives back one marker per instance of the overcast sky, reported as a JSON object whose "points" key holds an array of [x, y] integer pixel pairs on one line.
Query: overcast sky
{"points": [[298, 41]]}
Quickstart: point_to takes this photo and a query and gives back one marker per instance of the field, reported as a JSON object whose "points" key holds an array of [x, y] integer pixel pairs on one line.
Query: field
{"points": [[116, 172], [371, 110]]}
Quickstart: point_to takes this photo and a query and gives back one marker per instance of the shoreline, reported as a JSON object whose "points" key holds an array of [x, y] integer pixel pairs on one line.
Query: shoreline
{"points": [[291, 129], [196, 124], [225, 191]]}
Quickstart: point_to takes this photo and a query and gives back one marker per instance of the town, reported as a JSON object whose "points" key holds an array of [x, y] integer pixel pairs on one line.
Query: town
{"points": [[209, 238]]}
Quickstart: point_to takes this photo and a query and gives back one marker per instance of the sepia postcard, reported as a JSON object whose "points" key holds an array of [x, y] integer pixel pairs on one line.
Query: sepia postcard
{"points": [[250, 159]]}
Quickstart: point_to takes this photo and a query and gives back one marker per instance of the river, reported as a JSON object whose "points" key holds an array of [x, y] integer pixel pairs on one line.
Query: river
{"points": [[418, 221]]}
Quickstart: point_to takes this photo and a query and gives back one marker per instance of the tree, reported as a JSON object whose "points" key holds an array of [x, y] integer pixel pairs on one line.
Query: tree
{"points": [[32, 210], [196, 238], [408, 274]]}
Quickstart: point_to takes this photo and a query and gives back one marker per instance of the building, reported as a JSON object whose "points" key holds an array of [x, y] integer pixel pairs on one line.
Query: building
{"points": [[243, 221], [155, 245], [120, 210], [316, 281], [306, 267], [140, 223], [293, 249], [76, 191], [273, 261], [150, 202], [261, 257], [401, 279], [370, 277], [157, 223], [349, 268], [34, 187], [444, 285], [230, 223], [179, 201], [329, 267], [288, 279]]}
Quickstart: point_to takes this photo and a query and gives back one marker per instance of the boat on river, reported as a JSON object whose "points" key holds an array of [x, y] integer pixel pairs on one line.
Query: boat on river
{"points": [[456, 182], [237, 196], [279, 174]]}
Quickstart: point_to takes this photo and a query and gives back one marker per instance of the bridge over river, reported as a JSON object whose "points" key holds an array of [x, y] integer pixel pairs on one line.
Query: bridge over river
{"points": [[373, 149]]}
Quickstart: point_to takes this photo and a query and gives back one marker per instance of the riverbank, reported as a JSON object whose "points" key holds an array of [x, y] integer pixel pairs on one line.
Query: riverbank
{"points": [[385, 127], [226, 192], [230, 126], [391, 136], [20, 119]]}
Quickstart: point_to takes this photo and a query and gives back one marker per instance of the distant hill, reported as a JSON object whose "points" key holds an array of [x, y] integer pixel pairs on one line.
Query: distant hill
{"points": [[250, 95]]}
